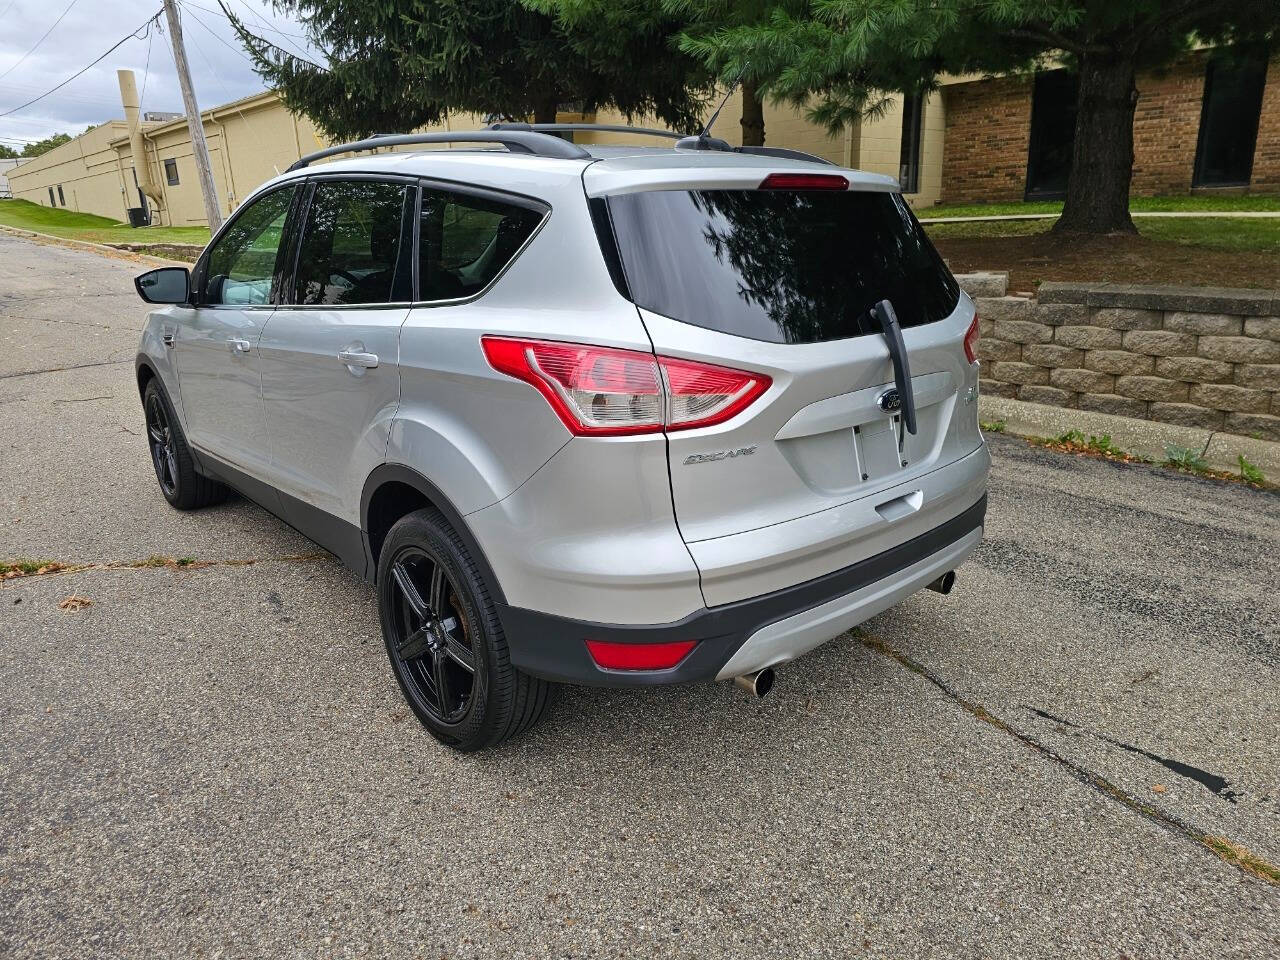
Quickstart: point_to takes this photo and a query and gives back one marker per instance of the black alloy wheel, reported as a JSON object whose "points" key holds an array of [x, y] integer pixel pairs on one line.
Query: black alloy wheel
{"points": [[160, 438], [431, 638], [445, 640]]}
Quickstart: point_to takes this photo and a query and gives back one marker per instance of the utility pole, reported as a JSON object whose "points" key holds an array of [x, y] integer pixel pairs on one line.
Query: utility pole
{"points": [[194, 124]]}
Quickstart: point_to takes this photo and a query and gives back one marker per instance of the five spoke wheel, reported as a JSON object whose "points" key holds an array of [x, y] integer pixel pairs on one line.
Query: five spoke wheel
{"points": [[432, 637], [161, 441]]}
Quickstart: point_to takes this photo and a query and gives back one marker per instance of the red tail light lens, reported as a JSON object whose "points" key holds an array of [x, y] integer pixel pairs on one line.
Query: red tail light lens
{"points": [[639, 656], [804, 181], [601, 391], [971, 340]]}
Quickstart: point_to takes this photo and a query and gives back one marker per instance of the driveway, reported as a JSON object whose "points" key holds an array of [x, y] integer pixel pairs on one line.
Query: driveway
{"points": [[1074, 754]]}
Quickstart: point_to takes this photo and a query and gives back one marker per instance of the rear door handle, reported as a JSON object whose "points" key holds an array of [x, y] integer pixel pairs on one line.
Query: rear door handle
{"points": [[357, 358], [239, 346]]}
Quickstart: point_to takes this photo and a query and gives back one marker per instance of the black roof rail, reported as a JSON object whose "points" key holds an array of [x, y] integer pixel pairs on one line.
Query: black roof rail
{"points": [[596, 127], [517, 141]]}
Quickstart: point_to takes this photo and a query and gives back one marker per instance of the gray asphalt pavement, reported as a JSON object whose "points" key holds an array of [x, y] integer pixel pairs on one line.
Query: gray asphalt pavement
{"points": [[1071, 755]]}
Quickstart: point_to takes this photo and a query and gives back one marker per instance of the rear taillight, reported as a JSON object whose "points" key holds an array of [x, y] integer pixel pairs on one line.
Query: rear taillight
{"points": [[804, 181], [639, 656], [602, 391], [971, 340]]}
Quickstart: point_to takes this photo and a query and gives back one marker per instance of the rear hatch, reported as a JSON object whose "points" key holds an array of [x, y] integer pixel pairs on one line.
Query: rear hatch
{"points": [[783, 282]]}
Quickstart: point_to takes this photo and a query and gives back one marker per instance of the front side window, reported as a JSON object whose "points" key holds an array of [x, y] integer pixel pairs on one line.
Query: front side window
{"points": [[62, 199], [779, 265], [242, 263], [465, 241], [52, 201], [171, 172], [355, 248]]}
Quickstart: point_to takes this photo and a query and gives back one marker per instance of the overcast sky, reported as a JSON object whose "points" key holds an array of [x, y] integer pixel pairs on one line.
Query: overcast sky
{"points": [[219, 67]]}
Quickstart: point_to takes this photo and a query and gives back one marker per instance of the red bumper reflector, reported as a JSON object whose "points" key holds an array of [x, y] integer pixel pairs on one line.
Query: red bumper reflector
{"points": [[638, 656]]}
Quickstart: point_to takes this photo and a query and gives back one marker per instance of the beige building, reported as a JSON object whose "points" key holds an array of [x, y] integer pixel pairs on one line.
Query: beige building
{"points": [[253, 139]]}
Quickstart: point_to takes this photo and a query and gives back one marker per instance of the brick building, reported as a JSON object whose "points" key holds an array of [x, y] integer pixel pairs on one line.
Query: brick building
{"points": [[1206, 123]]}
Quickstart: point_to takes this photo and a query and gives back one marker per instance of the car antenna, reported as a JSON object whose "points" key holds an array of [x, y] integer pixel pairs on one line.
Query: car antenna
{"points": [[704, 140]]}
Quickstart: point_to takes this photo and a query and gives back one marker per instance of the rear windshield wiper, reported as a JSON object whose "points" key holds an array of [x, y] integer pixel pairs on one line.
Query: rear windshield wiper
{"points": [[883, 312]]}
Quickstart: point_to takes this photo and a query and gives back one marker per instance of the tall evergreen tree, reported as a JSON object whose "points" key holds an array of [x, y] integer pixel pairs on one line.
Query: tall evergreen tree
{"points": [[399, 64], [844, 51]]}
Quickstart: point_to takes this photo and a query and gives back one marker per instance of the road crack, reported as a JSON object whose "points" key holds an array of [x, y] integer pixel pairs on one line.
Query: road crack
{"points": [[1243, 859]]}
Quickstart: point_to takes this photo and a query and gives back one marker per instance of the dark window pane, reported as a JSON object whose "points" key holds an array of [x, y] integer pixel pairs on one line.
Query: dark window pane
{"points": [[786, 267], [1053, 133], [352, 245], [466, 241], [909, 157], [52, 201], [243, 261], [1229, 121], [62, 199], [171, 172]]}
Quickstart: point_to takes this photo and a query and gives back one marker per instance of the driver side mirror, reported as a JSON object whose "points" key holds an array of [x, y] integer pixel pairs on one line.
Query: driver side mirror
{"points": [[166, 285]]}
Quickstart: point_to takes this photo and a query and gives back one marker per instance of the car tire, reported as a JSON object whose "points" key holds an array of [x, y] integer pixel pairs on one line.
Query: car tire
{"points": [[181, 483], [445, 641]]}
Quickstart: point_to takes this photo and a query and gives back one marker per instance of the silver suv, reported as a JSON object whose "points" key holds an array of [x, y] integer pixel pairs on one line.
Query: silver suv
{"points": [[604, 415]]}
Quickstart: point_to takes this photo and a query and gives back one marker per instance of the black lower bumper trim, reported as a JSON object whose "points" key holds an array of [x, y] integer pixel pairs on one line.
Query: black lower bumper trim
{"points": [[553, 647]]}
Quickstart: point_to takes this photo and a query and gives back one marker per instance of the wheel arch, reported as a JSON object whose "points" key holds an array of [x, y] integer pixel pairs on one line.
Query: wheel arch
{"points": [[394, 490], [145, 372]]}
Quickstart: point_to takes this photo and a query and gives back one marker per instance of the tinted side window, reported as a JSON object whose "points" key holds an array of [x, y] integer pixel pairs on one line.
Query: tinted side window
{"points": [[243, 261], [466, 241], [354, 248]]}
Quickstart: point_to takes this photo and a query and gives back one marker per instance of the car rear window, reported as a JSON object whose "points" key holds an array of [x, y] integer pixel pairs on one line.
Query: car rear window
{"points": [[780, 266]]}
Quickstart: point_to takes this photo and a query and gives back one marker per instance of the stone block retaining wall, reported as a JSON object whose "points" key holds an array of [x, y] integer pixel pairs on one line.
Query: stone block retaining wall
{"points": [[1193, 356]]}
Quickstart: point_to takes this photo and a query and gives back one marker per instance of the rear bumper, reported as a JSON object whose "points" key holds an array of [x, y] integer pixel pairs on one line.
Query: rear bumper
{"points": [[747, 635]]}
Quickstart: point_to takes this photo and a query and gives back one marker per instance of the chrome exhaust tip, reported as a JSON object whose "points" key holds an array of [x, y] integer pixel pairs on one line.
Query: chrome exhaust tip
{"points": [[944, 583], [758, 683]]}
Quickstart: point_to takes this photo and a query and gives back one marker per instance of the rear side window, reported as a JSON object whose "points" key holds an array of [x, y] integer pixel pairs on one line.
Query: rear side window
{"points": [[465, 241], [355, 246], [780, 266]]}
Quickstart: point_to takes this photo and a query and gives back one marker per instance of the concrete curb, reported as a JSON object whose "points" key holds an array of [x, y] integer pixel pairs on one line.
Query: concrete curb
{"points": [[1174, 214], [1145, 437], [99, 248]]}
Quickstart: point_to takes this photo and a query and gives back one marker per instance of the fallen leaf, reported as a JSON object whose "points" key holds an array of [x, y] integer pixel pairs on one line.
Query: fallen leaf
{"points": [[1158, 788], [75, 602]]}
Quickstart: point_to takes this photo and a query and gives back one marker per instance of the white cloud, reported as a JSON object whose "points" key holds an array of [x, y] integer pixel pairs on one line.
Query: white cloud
{"points": [[220, 69]]}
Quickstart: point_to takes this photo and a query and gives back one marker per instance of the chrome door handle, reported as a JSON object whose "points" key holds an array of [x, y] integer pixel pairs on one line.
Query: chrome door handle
{"points": [[239, 346], [356, 358]]}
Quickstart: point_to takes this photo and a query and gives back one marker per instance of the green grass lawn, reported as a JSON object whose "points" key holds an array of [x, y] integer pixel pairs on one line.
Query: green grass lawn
{"points": [[1188, 204], [1254, 236], [86, 226]]}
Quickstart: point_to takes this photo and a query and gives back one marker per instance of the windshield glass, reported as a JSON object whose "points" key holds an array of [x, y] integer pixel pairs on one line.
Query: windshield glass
{"points": [[781, 266]]}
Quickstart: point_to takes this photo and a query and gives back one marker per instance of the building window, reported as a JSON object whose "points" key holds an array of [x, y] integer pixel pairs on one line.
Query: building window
{"points": [[1053, 134], [52, 201], [1229, 122], [62, 200], [909, 157], [171, 172]]}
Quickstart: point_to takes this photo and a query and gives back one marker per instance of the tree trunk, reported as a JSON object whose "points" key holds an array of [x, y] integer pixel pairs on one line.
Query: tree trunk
{"points": [[545, 111], [1102, 155], [752, 116]]}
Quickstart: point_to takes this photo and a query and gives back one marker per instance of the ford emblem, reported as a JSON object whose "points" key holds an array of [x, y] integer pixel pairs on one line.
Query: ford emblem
{"points": [[890, 401]]}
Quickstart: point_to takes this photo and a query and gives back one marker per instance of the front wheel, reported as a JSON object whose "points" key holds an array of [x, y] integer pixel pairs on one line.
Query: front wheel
{"points": [[182, 485], [445, 641]]}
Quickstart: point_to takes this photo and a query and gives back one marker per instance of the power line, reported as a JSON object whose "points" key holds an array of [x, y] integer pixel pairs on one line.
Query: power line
{"points": [[114, 47], [226, 43], [146, 72], [41, 40]]}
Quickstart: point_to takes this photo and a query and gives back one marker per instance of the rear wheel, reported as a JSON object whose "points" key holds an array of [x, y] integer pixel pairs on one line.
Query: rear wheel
{"points": [[445, 642], [182, 485]]}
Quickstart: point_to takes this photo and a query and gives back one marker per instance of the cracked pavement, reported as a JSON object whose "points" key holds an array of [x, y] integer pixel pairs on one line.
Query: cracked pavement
{"points": [[214, 760]]}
